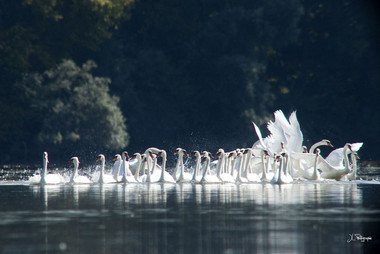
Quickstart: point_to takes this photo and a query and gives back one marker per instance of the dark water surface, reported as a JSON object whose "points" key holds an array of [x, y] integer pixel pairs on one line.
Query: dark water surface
{"points": [[190, 218]]}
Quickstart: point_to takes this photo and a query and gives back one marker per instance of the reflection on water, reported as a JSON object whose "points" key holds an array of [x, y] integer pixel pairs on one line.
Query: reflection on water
{"points": [[187, 218]]}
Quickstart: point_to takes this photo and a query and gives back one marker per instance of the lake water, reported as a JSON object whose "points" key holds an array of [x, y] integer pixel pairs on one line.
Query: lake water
{"points": [[304, 217]]}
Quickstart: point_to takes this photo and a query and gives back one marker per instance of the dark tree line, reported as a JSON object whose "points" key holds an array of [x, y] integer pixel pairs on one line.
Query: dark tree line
{"points": [[183, 73], [36, 37]]}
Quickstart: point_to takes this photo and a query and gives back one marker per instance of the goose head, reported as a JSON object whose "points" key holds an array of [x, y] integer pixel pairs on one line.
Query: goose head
{"points": [[348, 146], [180, 152], [101, 158], [74, 160], [207, 154], [117, 157], [143, 157], [45, 157], [232, 155], [195, 154], [249, 152], [356, 155], [205, 159], [219, 153], [161, 153], [136, 156], [125, 155], [327, 142], [264, 153]]}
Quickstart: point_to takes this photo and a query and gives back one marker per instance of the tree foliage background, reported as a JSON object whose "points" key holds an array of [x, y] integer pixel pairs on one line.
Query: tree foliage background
{"points": [[187, 73], [72, 111]]}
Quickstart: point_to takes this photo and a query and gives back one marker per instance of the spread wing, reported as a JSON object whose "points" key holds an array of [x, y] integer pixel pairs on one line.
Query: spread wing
{"points": [[296, 138], [335, 158], [277, 136], [258, 133], [356, 146]]}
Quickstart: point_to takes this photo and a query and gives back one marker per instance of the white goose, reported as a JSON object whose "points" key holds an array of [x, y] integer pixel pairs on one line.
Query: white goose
{"points": [[103, 178], [312, 173], [207, 178], [305, 160], [336, 157], [44, 177], [149, 160], [250, 176], [197, 177], [279, 177], [145, 166], [241, 160], [223, 163], [353, 174], [146, 177], [133, 164], [165, 176], [116, 173], [149, 177], [179, 173], [286, 168], [335, 172], [266, 176], [138, 165], [153, 174], [127, 175], [116, 168], [75, 178], [302, 162], [233, 158]]}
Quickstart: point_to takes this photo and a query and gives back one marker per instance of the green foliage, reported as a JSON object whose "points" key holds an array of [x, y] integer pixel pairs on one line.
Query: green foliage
{"points": [[36, 34], [74, 110]]}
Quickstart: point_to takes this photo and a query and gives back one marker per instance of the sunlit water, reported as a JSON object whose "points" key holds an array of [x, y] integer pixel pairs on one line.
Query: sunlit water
{"points": [[304, 217]]}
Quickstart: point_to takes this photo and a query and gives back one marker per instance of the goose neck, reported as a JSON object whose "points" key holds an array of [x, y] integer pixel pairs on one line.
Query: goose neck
{"points": [[75, 173], [279, 169], [263, 163], [314, 176], [313, 147], [44, 171], [346, 163], [116, 174], [196, 169], [220, 165], [207, 165], [163, 167], [137, 173]]}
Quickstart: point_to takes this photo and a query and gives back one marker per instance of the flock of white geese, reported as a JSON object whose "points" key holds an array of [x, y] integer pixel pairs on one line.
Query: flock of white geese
{"points": [[279, 158]]}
